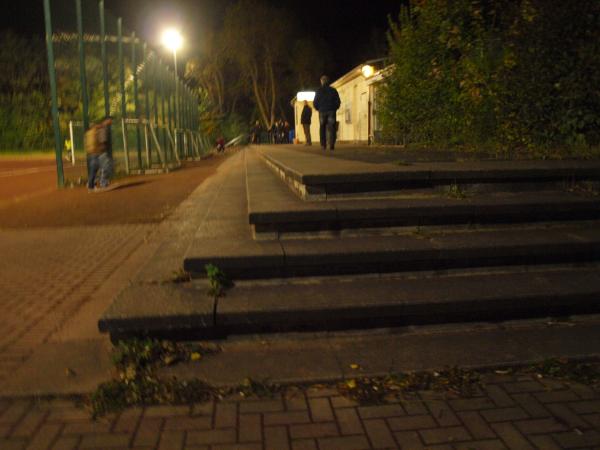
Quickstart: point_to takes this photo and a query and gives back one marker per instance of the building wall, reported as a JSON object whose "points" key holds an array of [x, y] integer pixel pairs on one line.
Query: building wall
{"points": [[356, 92], [353, 115]]}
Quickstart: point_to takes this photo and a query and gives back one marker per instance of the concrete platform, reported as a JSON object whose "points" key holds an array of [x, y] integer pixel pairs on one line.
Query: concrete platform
{"points": [[243, 259], [187, 310], [273, 210], [319, 177], [397, 300]]}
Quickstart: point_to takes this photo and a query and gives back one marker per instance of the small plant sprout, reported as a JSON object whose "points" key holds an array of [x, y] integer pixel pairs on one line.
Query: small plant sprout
{"points": [[455, 191], [218, 281]]}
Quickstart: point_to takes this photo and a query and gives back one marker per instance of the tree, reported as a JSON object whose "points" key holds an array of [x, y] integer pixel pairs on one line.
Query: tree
{"points": [[311, 59], [214, 72], [518, 76], [256, 37], [25, 118], [549, 86]]}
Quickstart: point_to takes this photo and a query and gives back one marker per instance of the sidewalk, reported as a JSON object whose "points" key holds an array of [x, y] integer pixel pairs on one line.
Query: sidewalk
{"points": [[509, 412], [48, 275], [66, 254]]}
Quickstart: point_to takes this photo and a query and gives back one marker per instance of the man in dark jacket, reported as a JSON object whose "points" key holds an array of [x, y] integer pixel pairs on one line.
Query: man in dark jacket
{"points": [[305, 120], [327, 102]]}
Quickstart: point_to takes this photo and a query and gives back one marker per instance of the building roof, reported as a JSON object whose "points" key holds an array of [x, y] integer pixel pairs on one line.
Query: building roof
{"points": [[381, 70]]}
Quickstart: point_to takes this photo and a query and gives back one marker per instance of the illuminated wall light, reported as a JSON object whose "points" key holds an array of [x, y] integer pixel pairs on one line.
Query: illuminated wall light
{"points": [[368, 71], [306, 95]]}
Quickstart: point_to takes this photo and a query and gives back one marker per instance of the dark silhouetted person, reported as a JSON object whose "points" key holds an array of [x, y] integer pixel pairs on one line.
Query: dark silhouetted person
{"points": [[279, 132], [256, 130], [305, 120], [327, 102], [286, 132], [273, 133]]}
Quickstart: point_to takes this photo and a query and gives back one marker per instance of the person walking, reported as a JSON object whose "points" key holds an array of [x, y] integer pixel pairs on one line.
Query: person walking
{"points": [[305, 120], [98, 147], [92, 150], [327, 102], [105, 158], [256, 130]]}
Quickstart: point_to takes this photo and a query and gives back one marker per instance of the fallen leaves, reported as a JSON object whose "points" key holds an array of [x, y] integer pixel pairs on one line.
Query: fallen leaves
{"points": [[363, 390], [565, 369], [376, 390]]}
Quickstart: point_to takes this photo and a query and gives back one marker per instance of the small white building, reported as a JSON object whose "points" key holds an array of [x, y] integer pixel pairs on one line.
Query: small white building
{"points": [[357, 118]]}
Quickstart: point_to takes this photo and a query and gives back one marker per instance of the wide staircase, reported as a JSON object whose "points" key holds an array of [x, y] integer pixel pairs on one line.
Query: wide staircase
{"points": [[315, 242]]}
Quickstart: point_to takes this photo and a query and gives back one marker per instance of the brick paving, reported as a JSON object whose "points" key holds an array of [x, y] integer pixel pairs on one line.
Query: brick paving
{"points": [[46, 275], [509, 412]]}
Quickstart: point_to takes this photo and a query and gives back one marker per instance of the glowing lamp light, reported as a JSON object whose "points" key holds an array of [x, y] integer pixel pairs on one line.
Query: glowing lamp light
{"points": [[306, 95], [172, 39], [367, 71]]}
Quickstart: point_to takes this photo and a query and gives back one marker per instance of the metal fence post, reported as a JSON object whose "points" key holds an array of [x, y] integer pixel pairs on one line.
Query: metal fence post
{"points": [[72, 137], [82, 70], [163, 109], [169, 84], [104, 59], [136, 102], [122, 86], [52, 76], [146, 84], [189, 122]]}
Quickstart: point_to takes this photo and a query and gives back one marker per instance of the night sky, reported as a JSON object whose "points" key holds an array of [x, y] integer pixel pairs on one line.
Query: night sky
{"points": [[347, 25]]}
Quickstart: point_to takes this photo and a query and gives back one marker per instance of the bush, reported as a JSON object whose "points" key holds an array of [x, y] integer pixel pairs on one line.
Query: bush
{"points": [[512, 75], [25, 118]]}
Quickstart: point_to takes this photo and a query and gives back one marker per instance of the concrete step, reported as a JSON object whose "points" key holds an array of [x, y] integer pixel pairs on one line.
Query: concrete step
{"points": [[496, 209], [431, 276], [186, 310], [244, 258], [318, 177], [273, 210]]}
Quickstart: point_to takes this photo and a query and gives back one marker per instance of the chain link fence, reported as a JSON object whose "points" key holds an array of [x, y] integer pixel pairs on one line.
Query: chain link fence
{"points": [[99, 68]]}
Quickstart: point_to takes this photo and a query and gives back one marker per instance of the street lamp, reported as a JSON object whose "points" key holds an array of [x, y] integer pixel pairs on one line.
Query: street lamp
{"points": [[172, 39]]}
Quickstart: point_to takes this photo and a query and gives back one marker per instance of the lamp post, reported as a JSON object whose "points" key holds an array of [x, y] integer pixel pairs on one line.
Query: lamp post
{"points": [[172, 39]]}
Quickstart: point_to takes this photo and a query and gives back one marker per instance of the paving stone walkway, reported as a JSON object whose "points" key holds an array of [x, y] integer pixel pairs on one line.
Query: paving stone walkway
{"points": [[508, 412], [46, 275]]}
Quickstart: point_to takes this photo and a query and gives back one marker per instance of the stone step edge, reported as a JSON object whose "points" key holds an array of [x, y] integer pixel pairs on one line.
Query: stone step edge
{"points": [[589, 171], [314, 187], [413, 213], [318, 260], [479, 297]]}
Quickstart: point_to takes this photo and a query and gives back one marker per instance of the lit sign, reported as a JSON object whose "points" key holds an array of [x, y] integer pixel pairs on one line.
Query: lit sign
{"points": [[306, 95]]}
